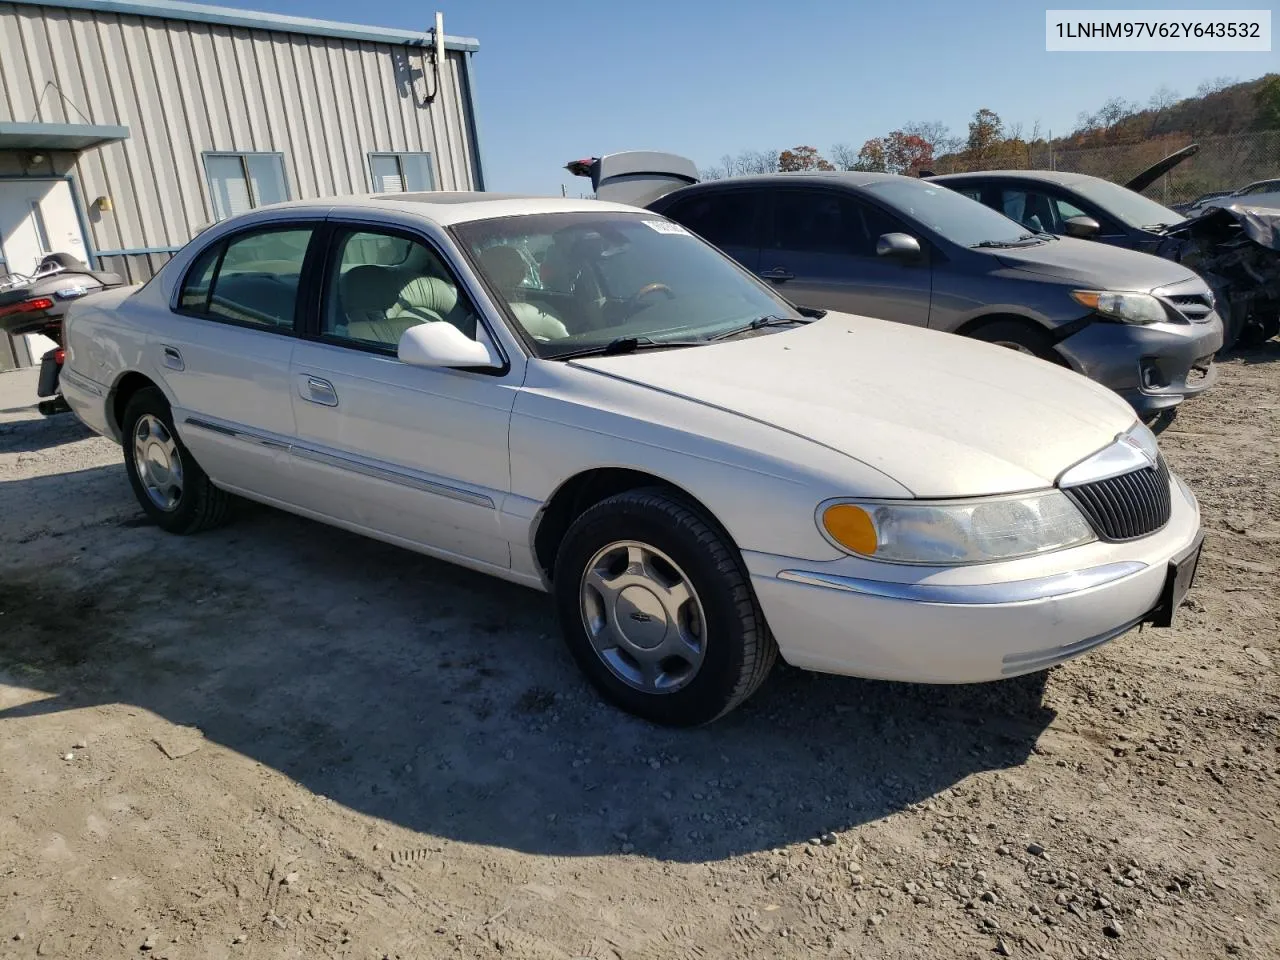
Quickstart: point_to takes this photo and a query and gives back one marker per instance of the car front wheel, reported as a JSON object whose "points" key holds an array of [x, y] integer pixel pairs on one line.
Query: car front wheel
{"points": [[657, 609], [170, 486]]}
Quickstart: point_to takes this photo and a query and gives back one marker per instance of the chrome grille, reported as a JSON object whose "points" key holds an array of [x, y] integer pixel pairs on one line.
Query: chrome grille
{"points": [[1194, 306], [1126, 507]]}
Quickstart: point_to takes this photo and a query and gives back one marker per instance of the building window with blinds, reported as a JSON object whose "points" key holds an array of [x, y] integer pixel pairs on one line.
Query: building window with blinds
{"points": [[243, 181], [401, 172]]}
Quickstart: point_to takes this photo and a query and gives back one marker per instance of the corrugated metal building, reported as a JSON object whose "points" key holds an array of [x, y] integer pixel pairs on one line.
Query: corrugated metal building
{"points": [[127, 125]]}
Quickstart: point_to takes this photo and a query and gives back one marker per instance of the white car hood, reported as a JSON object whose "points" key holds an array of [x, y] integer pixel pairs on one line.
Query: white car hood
{"points": [[943, 415]]}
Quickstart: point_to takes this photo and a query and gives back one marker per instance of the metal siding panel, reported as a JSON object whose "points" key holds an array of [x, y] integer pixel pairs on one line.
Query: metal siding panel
{"points": [[333, 82], [267, 84], [97, 170], [182, 159], [157, 196], [388, 80], [66, 68], [379, 115], [408, 93], [232, 86], [33, 43], [183, 70], [8, 63], [205, 67], [122, 159], [455, 125], [298, 126], [355, 123], [319, 119]]}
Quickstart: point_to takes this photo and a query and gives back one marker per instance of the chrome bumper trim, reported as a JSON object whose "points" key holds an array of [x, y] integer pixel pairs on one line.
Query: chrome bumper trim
{"points": [[980, 594]]}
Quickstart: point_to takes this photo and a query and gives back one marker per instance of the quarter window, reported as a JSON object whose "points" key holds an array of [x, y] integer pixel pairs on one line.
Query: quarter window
{"points": [[382, 284], [251, 279], [242, 181], [401, 172]]}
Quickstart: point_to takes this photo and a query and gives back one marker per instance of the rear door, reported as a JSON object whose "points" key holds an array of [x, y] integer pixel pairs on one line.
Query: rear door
{"points": [[730, 218], [820, 251], [224, 353]]}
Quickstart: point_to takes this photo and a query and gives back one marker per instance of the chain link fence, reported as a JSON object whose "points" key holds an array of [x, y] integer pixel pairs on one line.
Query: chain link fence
{"points": [[1222, 163]]}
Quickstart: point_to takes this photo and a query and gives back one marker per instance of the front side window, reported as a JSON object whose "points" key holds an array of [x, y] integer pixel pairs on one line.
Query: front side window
{"points": [[1031, 208], [825, 222], [250, 279], [952, 216], [381, 284], [239, 182], [603, 276], [401, 172]]}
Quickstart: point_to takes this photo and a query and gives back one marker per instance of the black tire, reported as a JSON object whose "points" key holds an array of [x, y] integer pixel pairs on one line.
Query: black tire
{"points": [[738, 649], [199, 505], [1018, 335]]}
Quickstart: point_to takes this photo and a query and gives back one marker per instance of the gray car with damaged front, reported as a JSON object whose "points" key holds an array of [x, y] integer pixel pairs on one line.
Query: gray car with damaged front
{"points": [[907, 250]]}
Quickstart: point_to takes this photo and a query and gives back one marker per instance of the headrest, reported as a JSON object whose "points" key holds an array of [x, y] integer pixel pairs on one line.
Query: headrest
{"points": [[429, 293], [505, 267], [367, 289]]}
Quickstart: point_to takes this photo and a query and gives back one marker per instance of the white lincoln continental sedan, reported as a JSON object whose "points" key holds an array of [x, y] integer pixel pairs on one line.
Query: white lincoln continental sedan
{"points": [[587, 399]]}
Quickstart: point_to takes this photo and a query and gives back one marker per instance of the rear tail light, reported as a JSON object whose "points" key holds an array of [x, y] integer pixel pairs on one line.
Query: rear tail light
{"points": [[59, 356], [27, 306]]}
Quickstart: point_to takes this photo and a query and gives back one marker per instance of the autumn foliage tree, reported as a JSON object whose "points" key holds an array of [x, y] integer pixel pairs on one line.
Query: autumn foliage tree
{"points": [[802, 158]]}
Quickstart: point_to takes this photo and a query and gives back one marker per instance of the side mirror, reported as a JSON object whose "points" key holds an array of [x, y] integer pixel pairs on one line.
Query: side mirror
{"points": [[441, 344], [1082, 227], [901, 245]]}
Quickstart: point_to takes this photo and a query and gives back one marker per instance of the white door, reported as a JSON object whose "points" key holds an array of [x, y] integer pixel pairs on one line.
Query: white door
{"points": [[408, 452], [37, 217]]}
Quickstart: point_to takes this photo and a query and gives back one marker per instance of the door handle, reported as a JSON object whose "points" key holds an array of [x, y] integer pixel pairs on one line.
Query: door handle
{"points": [[317, 390], [778, 274], [173, 359]]}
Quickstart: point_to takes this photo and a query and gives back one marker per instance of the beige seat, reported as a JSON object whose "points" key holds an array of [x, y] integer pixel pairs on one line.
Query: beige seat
{"points": [[429, 299], [506, 270], [366, 294]]}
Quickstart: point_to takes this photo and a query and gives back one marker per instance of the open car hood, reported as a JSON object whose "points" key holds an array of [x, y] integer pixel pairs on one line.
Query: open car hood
{"points": [[1158, 169]]}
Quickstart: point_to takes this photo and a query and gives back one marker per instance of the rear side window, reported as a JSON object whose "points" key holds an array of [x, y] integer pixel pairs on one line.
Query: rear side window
{"points": [[250, 279], [727, 219]]}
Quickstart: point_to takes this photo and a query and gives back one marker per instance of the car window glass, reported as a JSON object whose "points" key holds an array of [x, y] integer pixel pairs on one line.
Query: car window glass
{"points": [[199, 279], [973, 193], [1030, 208], [382, 284], [819, 221], [878, 222], [250, 279], [1065, 210], [726, 219]]}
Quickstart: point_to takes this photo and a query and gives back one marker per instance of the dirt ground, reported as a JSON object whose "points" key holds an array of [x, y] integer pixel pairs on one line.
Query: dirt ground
{"points": [[280, 740]]}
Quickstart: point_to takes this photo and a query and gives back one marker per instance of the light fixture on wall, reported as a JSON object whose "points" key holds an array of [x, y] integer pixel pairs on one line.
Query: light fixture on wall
{"points": [[35, 159], [102, 204]]}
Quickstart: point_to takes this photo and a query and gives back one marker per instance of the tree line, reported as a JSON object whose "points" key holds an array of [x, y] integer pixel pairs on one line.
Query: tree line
{"points": [[1219, 107]]}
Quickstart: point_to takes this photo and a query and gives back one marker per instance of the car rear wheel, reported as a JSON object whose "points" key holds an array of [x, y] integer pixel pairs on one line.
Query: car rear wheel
{"points": [[170, 486], [657, 610], [1021, 337]]}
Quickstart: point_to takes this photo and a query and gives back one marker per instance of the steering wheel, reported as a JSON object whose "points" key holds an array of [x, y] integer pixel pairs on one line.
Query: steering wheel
{"points": [[634, 300]]}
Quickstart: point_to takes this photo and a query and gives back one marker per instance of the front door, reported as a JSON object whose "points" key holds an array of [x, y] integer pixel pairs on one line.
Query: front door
{"points": [[821, 252], [414, 454], [37, 217]]}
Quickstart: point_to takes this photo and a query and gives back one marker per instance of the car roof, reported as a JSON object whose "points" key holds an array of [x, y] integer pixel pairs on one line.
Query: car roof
{"points": [[1039, 176], [446, 208], [848, 178]]}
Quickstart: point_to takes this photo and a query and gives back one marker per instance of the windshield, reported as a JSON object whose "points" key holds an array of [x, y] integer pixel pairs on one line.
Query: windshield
{"points": [[952, 215], [1131, 209], [579, 281]]}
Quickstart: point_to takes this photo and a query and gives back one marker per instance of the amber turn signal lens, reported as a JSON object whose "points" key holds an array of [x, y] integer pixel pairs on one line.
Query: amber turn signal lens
{"points": [[851, 527]]}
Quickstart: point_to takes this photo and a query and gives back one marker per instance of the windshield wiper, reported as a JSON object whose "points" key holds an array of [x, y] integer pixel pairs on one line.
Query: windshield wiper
{"points": [[1022, 241], [759, 323], [621, 345]]}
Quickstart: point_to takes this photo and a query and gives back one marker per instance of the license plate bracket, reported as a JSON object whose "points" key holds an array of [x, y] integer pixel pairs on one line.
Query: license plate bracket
{"points": [[1177, 584]]}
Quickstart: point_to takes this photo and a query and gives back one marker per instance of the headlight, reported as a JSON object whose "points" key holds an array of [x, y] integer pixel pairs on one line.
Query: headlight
{"points": [[949, 532], [1125, 307]]}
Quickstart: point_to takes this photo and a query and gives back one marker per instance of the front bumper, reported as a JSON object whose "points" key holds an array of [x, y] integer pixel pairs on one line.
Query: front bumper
{"points": [[1153, 367], [968, 625]]}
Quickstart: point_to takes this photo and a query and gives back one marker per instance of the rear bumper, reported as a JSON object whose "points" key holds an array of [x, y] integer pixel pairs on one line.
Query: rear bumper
{"points": [[87, 400], [832, 618], [1153, 367]]}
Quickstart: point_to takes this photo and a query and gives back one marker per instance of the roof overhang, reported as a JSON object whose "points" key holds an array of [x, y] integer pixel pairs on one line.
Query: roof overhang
{"points": [[58, 136], [253, 20]]}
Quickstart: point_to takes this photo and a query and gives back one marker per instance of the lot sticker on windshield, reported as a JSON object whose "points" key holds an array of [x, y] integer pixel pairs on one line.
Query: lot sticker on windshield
{"points": [[666, 226]]}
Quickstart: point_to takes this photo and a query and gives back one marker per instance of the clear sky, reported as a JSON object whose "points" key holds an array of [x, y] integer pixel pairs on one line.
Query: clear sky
{"points": [[559, 81]]}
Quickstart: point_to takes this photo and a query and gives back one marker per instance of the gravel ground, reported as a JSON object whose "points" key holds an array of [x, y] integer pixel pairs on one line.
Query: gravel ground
{"points": [[280, 740]]}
